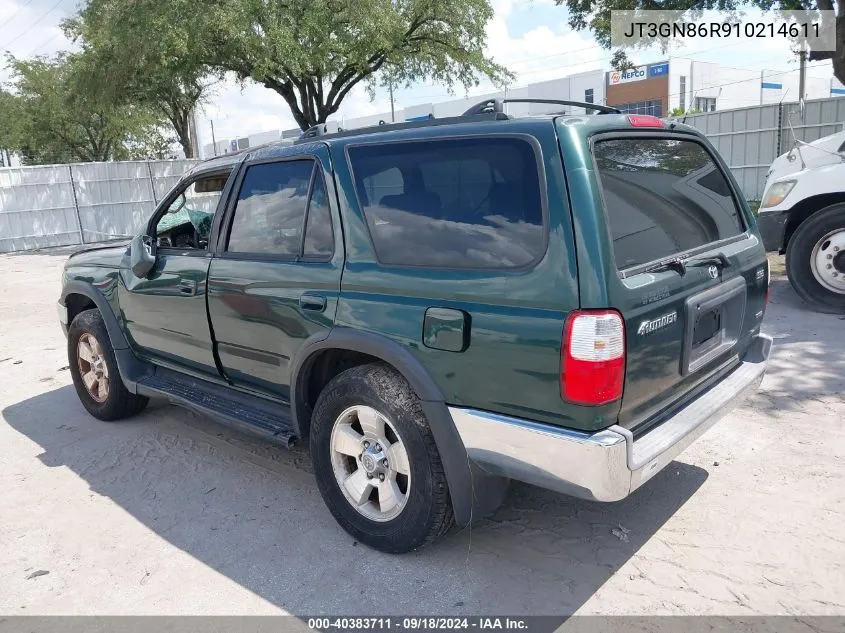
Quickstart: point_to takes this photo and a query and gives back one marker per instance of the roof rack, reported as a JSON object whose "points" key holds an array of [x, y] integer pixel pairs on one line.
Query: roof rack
{"points": [[497, 105], [487, 110], [319, 131]]}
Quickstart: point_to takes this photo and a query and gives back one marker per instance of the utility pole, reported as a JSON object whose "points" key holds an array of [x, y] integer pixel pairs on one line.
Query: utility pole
{"points": [[392, 113], [802, 80], [213, 140]]}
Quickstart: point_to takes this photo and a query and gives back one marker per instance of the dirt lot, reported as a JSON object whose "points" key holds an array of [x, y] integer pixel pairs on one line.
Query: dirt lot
{"points": [[169, 513]]}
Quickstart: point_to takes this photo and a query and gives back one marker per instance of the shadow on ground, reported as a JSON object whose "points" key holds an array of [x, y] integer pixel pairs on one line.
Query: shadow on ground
{"points": [[808, 357], [253, 513]]}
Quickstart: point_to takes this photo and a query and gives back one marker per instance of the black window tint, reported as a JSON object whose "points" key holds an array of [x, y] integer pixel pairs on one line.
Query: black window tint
{"points": [[463, 203], [663, 196], [318, 230], [270, 209]]}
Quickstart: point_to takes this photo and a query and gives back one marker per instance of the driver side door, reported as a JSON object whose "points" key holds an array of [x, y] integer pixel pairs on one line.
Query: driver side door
{"points": [[164, 313]]}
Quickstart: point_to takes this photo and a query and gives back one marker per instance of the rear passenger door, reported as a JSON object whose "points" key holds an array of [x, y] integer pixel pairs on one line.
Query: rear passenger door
{"points": [[276, 278], [460, 249]]}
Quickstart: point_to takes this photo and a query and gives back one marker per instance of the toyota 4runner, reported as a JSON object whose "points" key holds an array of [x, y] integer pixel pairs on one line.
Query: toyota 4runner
{"points": [[567, 300]]}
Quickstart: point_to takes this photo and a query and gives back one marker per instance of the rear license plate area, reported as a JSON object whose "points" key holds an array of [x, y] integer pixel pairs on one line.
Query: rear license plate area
{"points": [[713, 323], [706, 326]]}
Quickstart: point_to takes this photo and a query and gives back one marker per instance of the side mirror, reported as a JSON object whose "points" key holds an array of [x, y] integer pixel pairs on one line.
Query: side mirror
{"points": [[142, 256]]}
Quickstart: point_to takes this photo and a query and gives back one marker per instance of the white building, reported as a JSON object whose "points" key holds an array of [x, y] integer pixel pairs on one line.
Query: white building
{"points": [[652, 89]]}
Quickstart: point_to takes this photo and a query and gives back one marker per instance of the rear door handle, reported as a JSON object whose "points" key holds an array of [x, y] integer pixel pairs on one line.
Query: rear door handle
{"points": [[310, 301], [188, 287]]}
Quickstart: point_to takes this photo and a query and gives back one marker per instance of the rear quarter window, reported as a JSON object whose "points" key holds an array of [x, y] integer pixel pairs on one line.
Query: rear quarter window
{"points": [[452, 203], [663, 196]]}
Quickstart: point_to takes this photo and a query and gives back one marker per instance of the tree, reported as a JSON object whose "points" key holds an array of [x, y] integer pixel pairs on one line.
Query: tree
{"points": [[49, 117], [595, 15], [313, 52], [137, 70]]}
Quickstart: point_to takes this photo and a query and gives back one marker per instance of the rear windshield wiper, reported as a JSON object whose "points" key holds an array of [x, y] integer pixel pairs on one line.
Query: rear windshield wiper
{"points": [[718, 259], [676, 264]]}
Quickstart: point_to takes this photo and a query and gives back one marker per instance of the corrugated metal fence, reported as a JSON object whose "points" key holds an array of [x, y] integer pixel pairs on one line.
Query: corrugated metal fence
{"points": [[749, 139], [60, 205]]}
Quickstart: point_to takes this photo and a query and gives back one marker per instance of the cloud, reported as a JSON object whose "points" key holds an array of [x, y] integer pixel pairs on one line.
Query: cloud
{"points": [[32, 29]]}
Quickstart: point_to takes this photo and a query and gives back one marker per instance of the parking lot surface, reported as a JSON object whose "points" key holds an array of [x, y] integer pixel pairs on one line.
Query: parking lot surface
{"points": [[169, 513]]}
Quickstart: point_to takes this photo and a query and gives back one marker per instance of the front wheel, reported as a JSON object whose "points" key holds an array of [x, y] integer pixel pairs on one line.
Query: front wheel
{"points": [[376, 463], [94, 370], [815, 259]]}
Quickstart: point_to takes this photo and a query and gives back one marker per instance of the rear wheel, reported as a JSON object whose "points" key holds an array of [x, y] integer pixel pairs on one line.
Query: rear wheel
{"points": [[815, 259], [376, 463], [94, 370]]}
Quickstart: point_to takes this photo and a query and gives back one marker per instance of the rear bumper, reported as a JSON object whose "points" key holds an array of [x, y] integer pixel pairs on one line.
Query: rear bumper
{"points": [[605, 465]]}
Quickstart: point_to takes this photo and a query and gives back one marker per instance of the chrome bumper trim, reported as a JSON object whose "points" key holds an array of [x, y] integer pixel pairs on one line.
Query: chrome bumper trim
{"points": [[606, 465]]}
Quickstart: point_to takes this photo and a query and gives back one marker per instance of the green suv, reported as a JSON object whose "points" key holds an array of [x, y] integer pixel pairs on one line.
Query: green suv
{"points": [[440, 306]]}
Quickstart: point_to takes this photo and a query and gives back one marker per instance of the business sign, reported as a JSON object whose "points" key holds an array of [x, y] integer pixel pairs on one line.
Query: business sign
{"points": [[658, 70], [627, 76]]}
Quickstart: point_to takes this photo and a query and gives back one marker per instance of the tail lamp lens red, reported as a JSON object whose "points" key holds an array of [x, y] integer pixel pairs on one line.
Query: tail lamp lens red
{"points": [[593, 357]]}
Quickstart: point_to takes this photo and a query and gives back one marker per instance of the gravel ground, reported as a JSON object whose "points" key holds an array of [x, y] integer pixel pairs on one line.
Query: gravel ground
{"points": [[169, 513]]}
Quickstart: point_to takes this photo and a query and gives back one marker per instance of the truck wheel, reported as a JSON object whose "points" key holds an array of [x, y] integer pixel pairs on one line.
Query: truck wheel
{"points": [[376, 462], [94, 370], [815, 259]]}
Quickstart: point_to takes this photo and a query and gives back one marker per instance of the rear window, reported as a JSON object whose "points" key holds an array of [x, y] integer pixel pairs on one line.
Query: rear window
{"points": [[462, 203], [663, 196]]}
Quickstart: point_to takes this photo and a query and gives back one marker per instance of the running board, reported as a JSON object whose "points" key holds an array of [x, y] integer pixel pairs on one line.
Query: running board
{"points": [[269, 419]]}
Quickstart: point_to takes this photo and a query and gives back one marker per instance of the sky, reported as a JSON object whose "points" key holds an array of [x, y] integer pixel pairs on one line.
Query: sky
{"points": [[530, 37]]}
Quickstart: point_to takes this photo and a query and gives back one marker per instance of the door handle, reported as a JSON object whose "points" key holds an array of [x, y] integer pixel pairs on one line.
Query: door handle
{"points": [[188, 287], [309, 301]]}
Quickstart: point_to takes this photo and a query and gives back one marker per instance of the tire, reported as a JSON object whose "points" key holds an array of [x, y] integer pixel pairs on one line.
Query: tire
{"points": [[346, 400], [800, 254], [115, 402]]}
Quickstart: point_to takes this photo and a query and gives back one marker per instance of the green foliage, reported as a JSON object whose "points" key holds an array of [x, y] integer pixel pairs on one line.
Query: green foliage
{"points": [[49, 117], [595, 16], [311, 52], [682, 111], [126, 64]]}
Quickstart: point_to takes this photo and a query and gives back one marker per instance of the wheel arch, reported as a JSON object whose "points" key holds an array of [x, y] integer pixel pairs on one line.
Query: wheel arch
{"points": [[79, 295], [370, 347], [805, 209]]}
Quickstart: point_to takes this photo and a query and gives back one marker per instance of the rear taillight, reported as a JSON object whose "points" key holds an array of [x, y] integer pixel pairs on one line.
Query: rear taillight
{"points": [[644, 120], [592, 364]]}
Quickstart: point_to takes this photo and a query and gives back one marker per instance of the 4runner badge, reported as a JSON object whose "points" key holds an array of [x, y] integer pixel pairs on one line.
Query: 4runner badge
{"points": [[647, 327]]}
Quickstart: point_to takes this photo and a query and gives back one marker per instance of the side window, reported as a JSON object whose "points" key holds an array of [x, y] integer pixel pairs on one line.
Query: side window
{"points": [[383, 183], [319, 240], [463, 203], [187, 221], [270, 209]]}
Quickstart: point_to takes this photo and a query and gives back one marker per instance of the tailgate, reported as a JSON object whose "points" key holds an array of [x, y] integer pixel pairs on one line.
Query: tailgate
{"points": [[690, 276]]}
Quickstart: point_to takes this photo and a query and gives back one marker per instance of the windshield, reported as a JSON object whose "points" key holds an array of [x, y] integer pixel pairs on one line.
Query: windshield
{"points": [[663, 196]]}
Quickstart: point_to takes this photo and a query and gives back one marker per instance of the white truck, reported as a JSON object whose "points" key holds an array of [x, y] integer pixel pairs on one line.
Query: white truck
{"points": [[802, 214]]}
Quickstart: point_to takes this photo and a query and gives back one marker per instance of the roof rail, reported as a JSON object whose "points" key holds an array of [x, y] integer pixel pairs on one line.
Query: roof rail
{"points": [[497, 105], [318, 131]]}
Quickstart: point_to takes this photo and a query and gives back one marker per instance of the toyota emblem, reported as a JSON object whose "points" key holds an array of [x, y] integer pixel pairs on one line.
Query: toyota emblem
{"points": [[713, 272]]}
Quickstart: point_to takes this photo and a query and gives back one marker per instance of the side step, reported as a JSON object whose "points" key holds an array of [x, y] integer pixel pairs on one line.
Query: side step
{"points": [[269, 419]]}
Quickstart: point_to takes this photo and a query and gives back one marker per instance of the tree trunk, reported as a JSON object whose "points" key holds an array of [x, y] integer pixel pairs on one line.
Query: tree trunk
{"points": [[183, 131]]}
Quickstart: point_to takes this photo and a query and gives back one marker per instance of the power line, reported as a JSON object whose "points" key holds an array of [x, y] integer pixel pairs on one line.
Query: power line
{"points": [[38, 48], [34, 24], [14, 15], [742, 81]]}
